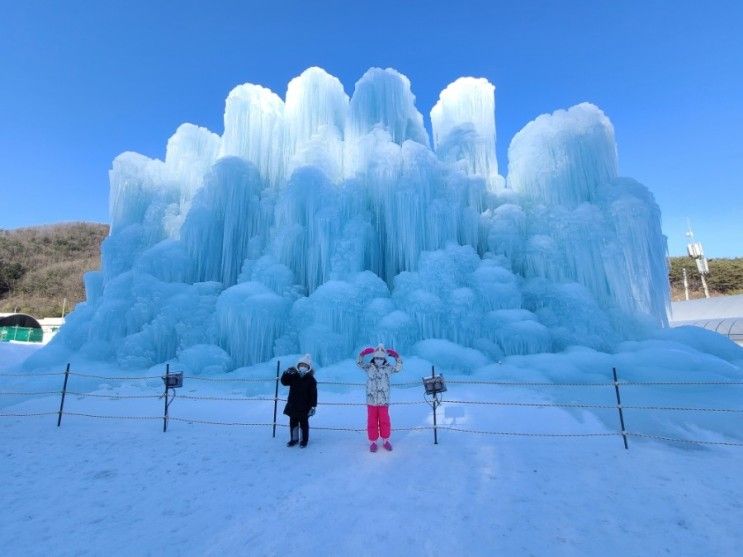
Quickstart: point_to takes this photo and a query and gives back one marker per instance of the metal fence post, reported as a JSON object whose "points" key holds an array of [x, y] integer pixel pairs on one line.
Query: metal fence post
{"points": [[619, 407], [64, 392], [435, 404], [165, 396], [276, 397]]}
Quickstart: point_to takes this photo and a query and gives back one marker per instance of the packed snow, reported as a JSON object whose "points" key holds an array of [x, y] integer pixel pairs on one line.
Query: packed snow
{"points": [[122, 487]]}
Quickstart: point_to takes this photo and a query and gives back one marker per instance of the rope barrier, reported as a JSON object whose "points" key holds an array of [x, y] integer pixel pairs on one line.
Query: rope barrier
{"points": [[119, 378], [677, 383], [31, 374], [527, 383], [533, 404], [691, 441], [107, 417], [599, 406], [344, 383], [615, 384], [230, 380], [621, 383], [399, 429], [26, 414], [528, 434], [400, 385], [683, 409], [398, 403], [264, 424], [264, 399], [29, 393], [210, 422], [258, 399], [113, 396]]}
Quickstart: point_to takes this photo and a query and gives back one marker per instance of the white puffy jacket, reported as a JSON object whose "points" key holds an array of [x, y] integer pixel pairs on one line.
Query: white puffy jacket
{"points": [[378, 380]]}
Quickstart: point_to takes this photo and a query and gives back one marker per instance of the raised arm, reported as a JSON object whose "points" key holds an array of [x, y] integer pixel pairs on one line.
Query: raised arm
{"points": [[398, 360], [360, 358], [288, 377]]}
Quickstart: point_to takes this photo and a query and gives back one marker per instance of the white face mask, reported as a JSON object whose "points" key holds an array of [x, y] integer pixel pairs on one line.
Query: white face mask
{"points": [[303, 369]]}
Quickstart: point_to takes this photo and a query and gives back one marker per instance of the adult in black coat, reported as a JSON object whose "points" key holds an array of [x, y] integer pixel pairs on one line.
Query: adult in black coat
{"points": [[302, 399]]}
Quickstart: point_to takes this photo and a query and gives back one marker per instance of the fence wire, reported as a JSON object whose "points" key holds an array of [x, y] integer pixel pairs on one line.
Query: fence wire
{"points": [[111, 396], [31, 374], [529, 434], [27, 414], [688, 441], [588, 405], [400, 385], [228, 380], [617, 384], [29, 393], [118, 378], [232, 398]]}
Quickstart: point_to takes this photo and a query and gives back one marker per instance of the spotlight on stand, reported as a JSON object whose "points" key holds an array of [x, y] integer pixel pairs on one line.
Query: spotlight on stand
{"points": [[172, 380], [433, 387]]}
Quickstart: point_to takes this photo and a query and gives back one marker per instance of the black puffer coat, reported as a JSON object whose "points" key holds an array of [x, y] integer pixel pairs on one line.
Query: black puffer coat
{"points": [[302, 392]]}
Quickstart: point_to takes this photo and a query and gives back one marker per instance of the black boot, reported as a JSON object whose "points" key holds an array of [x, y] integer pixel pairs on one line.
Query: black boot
{"points": [[294, 436], [304, 424]]}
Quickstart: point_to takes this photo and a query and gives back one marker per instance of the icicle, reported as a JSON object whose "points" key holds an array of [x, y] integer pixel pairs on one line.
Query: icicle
{"points": [[463, 122], [254, 128]]}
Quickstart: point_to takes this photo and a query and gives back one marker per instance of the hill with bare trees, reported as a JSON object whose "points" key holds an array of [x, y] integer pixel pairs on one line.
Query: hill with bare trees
{"points": [[41, 266]]}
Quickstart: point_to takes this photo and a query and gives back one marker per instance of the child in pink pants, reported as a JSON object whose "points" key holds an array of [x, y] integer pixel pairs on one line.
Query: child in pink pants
{"points": [[378, 372]]}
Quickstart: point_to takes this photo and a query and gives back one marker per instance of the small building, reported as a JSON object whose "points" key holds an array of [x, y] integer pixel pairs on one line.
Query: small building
{"points": [[50, 326], [722, 314], [20, 327]]}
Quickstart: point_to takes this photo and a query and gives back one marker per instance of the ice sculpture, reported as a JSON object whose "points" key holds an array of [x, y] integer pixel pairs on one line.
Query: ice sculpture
{"points": [[323, 223], [463, 123]]}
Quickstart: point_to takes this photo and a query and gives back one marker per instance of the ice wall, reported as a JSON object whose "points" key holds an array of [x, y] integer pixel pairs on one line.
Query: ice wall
{"points": [[321, 223]]}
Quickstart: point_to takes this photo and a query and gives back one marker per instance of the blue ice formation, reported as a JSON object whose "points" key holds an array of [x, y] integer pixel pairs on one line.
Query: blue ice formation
{"points": [[321, 223]]}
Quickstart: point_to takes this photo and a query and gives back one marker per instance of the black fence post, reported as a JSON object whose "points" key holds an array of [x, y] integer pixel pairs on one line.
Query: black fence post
{"points": [[64, 392], [276, 397], [619, 407], [165, 396], [435, 404]]}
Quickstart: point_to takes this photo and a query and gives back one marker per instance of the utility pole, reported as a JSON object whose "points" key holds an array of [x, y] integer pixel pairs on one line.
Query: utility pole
{"points": [[695, 251], [686, 284]]}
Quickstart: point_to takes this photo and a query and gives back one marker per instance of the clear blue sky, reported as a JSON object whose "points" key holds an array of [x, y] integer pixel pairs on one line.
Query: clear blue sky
{"points": [[81, 82]]}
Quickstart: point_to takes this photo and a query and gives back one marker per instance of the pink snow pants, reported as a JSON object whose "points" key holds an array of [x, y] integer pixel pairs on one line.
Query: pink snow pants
{"points": [[378, 422]]}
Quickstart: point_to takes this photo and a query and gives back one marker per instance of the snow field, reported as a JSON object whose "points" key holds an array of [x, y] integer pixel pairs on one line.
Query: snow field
{"points": [[122, 488], [113, 487]]}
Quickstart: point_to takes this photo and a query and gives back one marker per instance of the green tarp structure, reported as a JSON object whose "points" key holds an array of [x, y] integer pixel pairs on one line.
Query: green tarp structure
{"points": [[20, 327], [22, 334]]}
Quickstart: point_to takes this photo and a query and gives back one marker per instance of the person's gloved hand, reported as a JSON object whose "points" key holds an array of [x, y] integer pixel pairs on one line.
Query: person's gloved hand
{"points": [[292, 370], [311, 412], [393, 353], [367, 351]]}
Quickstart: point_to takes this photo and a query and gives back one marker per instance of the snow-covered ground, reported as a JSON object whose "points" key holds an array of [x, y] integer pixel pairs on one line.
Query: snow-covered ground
{"points": [[718, 307], [105, 487]]}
